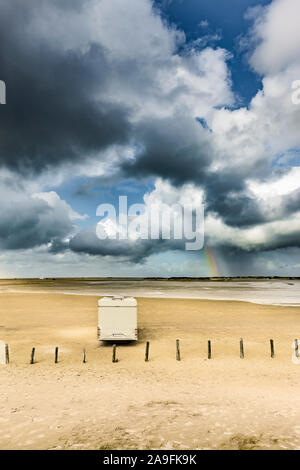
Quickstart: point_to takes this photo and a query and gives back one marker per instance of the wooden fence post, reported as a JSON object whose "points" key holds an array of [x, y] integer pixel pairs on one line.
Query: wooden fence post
{"points": [[32, 356], [6, 354], [56, 355], [296, 348], [84, 356], [147, 351], [114, 359], [209, 349], [241, 348], [272, 347], [177, 350]]}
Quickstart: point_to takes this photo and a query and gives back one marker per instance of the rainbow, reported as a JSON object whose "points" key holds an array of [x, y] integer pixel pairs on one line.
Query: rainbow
{"points": [[211, 263]]}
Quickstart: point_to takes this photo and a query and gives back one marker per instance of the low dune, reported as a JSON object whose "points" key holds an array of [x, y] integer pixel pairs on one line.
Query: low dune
{"points": [[196, 403]]}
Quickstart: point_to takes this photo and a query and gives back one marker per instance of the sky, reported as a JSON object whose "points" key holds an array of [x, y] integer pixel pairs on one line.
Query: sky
{"points": [[166, 102]]}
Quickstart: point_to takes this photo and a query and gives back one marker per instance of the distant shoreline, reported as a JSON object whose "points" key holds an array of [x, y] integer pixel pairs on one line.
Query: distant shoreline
{"points": [[219, 278], [275, 291]]}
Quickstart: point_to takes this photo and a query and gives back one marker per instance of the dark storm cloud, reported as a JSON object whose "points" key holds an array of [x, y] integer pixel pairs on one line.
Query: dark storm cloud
{"points": [[57, 112], [53, 113], [137, 251], [277, 262], [28, 222], [174, 148], [291, 203], [179, 150], [240, 210], [236, 208]]}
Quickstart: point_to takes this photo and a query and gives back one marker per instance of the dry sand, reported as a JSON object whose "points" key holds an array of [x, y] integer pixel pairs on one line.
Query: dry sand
{"points": [[222, 403]]}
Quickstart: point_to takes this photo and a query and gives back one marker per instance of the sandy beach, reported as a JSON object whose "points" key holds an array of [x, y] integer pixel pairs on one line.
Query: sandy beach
{"points": [[222, 403]]}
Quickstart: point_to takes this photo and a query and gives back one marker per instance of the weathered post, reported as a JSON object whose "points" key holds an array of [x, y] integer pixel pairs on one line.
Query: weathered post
{"points": [[296, 348], [209, 349], [32, 356], [6, 354], [272, 347], [241, 348], [177, 350], [2, 92], [114, 359], [147, 351], [56, 355], [84, 356]]}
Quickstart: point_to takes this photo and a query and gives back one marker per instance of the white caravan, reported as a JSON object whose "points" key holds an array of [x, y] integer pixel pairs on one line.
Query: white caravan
{"points": [[117, 319]]}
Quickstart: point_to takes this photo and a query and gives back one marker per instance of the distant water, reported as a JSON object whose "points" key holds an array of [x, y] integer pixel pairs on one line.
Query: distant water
{"points": [[271, 292]]}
